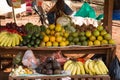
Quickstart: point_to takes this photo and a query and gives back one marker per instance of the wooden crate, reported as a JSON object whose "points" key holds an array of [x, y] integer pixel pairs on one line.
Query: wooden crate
{"points": [[75, 77]]}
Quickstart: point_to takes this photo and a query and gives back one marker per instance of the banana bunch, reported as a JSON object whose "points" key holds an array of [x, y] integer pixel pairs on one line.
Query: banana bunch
{"points": [[9, 39], [75, 67], [95, 67]]}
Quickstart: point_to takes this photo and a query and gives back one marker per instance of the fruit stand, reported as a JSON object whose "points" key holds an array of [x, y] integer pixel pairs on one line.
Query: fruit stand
{"points": [[49, 44]]}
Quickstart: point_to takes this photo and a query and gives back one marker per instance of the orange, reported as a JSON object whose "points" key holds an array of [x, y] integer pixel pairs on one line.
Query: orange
{"points": [[52, 38], [66, 34], [51, 26], [58, 28], [47, 31], [58, 38], [62, 43], [46, 38], [42, 44], [55, 44], [52, 32], [48, 44]]}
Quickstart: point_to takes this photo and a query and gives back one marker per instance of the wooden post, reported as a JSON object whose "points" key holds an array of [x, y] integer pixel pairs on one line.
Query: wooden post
{"points": [[108, 10]]}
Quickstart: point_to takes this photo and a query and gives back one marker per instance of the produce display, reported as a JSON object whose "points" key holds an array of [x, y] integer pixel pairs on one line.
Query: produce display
{"points": [[63, 33]]}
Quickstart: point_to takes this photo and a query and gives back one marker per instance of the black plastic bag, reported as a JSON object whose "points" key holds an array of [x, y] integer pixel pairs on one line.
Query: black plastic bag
{"points": [[114, 69]]}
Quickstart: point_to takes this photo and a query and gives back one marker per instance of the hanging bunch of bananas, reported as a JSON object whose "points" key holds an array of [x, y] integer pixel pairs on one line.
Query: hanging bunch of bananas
{"points": [[9, 39], [95, 67], [92, 67], [75, 67]]}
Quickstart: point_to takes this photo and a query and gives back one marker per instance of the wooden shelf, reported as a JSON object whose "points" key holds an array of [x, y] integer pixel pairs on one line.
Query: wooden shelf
{"points": [[60, 48], [74, 77]]}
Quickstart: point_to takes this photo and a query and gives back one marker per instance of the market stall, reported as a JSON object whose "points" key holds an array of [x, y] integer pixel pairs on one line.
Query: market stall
{"points": [[54, 52]]}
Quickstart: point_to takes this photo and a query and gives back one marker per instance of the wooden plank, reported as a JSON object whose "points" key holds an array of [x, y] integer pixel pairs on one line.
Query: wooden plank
{"points": [[82, 79], [90, 78], [97, 79], [108, 9]]}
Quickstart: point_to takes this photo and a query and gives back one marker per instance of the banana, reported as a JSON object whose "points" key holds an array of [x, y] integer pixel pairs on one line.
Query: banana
{"points": [[2, 33], [67, 64], [78, 69], [20, 37], [103, 64], [86, 65], [102, 67], [70, 68], [91, 67], [17, 40], [97, 71], [13, 42], [74, 69], [82, 70], [7, 41], [10, 42], [4, 40]]}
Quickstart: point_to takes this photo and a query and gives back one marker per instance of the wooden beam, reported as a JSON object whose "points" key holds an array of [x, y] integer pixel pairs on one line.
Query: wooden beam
{"points": [[108, 10]]}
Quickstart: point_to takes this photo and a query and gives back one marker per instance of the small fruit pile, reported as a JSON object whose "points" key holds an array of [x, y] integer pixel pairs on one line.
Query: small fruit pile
{"points": [[55, 35], [92, 67], [33, 37], [90, 36], [49, 67], [32, 40], [20, 71]]}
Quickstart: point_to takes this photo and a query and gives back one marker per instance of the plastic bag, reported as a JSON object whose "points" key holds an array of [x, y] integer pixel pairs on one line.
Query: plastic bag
{"points": [[29, 59], [86, 11], [114, 69]]}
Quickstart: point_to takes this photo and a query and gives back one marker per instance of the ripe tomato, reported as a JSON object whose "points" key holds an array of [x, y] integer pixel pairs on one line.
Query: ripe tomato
{"points": [[81, 60]]}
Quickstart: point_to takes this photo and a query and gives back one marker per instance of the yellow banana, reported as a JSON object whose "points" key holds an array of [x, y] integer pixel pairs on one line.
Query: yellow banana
{"points": [[67, 64], [82, 70], [70, 68], [17, 40], [91, 66], [103, 64], [74, 69], [97, 71], [13, 42], [20, 37], [10, 42], [86, 65], [7, 41], [3, 33], [78, 69], [4, 40]]}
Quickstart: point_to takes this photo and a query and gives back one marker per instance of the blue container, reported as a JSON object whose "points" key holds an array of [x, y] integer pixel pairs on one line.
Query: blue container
{"points": [[116, 15]]}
